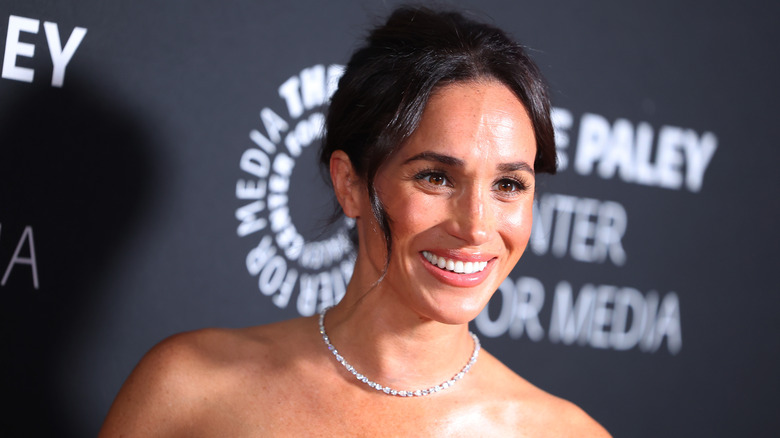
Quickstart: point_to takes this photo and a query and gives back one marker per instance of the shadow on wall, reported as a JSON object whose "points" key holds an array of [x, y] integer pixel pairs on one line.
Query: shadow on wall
{"points": [[78, 171]]}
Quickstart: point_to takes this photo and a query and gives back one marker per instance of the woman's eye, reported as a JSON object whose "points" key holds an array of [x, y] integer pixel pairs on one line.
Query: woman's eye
{"points": [[508, 185], [437, 180], [434, 179]]}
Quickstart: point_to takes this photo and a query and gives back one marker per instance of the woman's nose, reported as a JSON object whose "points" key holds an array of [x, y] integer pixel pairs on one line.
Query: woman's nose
{"points": [[473, 219]]}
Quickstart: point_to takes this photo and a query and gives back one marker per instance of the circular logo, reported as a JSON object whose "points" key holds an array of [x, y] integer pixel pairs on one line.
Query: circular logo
{"points": [[297, 260]]}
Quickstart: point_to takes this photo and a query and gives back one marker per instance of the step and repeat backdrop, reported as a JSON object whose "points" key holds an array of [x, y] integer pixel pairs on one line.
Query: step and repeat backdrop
{"points": [[157, 175]]}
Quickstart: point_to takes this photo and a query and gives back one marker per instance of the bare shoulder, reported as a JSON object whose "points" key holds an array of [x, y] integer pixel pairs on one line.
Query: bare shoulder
{"points": [[534, 411], [187, 374], [562, 418]]}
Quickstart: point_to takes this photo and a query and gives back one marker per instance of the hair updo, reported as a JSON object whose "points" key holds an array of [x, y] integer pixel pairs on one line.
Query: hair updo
{"points": [[387, 83]]}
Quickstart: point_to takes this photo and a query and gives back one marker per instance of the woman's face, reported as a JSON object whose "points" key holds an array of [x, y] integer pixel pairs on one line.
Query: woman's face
{"points": [[459, 196]]}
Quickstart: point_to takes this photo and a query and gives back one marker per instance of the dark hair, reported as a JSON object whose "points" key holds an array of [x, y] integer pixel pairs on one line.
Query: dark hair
{"points": [[387, 83]]}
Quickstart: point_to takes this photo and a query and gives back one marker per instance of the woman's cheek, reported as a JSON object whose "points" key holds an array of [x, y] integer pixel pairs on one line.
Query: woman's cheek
{"points": [[409, 212], [518, 221], [421, 208]]}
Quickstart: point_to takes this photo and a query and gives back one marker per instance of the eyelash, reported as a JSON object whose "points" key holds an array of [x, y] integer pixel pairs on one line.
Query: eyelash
{"points": [[424, 174], [519, 183]]}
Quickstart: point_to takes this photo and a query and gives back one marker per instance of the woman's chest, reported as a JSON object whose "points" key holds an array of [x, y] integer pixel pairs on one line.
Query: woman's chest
{"points": [[315, 415]]}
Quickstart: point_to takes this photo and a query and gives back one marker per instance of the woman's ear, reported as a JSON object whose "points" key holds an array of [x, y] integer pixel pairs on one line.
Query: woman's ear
{"points": [[346, 183]]}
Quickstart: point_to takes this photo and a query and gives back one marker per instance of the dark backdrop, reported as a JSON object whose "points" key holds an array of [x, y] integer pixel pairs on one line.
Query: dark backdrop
{"points": [[161, 178]]}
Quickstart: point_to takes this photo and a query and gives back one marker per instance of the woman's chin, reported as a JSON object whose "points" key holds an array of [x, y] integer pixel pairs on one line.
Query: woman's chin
{"points": [[457, 305], [453, 311]]}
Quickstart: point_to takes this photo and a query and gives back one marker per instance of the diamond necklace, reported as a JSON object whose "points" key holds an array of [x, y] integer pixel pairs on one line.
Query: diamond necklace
{"points": [[386, 389]]}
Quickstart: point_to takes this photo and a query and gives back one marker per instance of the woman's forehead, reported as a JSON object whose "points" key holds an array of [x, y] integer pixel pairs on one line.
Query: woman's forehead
{"points": [[475, 119]]}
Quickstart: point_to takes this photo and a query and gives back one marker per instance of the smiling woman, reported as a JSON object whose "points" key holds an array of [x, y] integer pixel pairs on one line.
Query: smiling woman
{"points": [[434, 138], [460, 189]]}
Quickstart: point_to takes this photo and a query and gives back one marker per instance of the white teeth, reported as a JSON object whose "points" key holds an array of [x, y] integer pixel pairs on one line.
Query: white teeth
{"points": [[457, 266]]}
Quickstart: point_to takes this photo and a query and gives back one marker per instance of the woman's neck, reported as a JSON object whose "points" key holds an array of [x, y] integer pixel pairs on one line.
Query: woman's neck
{"points": [[392, 345]]}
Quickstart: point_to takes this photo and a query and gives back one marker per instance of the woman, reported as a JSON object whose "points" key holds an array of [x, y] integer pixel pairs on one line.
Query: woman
{"points": [[433, 141]]}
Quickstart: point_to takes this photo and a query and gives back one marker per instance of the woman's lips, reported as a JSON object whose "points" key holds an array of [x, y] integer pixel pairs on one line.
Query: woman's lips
{"points": [[454, 265], [472, 272]]}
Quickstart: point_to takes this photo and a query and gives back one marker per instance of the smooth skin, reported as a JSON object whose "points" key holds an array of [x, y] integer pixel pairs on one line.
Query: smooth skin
{"points": [[460, 188]]}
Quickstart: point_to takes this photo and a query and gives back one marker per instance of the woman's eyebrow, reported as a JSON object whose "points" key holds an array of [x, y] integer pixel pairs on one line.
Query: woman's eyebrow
{"points": [[452, 161], [519, 165], [433, 156]]}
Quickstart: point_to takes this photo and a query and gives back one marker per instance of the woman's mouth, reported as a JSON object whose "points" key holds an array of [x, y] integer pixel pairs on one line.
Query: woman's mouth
{"points": [[452, 265]]}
